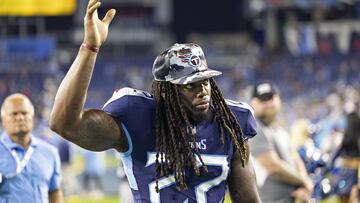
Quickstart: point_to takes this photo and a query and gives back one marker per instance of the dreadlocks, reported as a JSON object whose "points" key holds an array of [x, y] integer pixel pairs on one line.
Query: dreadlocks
{"points": [[174, 132]]}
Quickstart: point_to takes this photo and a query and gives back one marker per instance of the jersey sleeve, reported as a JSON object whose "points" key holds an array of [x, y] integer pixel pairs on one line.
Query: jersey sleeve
{"points": [[127, 102], [117, 105], [131, 107], [251, 127], [245, 117]]}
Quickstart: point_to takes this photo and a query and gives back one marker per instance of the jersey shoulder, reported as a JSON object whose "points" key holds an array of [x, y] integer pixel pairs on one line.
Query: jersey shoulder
{"points": [[130, 105], [238, 106], [128, 93], [244, 114]]}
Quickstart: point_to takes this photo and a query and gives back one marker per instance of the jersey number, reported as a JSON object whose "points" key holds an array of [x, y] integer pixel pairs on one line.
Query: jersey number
{"points": [[202, 188]]}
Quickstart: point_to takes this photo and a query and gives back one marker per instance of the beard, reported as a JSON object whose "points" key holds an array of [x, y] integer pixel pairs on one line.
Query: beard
{"points": [[268, 116], [198, 116]]}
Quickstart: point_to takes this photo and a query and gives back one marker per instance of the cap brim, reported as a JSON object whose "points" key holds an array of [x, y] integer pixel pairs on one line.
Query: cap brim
{"points": [[266, 96], [194, 77]]}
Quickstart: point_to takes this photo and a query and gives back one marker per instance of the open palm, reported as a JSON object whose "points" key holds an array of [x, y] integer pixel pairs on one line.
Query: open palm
{"points": [[96, 30]]}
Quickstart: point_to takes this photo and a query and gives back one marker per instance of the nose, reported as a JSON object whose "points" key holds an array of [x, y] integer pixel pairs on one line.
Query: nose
{"points": [[269, 104], [202, 92], [19, 116]]}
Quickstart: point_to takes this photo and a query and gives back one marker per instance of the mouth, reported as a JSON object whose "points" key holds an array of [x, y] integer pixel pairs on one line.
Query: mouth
{"points": [[203, 104], [20, 123]]}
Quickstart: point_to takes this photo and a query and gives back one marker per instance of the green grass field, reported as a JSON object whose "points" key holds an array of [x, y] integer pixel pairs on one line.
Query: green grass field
{"points": [[77, 199]]}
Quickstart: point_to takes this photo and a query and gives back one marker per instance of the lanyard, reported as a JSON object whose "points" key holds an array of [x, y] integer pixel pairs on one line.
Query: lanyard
{"points": [[20, 164]]}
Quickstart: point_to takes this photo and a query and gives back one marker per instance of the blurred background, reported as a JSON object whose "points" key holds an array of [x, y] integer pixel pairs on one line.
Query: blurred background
{"points": [[309, 48]]}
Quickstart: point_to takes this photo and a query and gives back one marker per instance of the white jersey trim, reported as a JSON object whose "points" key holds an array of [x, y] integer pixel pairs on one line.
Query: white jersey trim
{"points": [[127, 91], [243, 105]]}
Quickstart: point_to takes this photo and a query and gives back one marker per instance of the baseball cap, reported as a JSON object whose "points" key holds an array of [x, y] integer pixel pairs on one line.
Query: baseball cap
{"points": [[264, 90], [182, 64]]}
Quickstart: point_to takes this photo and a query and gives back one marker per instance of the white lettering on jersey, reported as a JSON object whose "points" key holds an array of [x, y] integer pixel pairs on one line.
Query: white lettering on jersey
{"points": [[201, 145]]}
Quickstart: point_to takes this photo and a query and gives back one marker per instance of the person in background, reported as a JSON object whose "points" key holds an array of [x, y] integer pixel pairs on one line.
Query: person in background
{"points": [[355, 194], [286, 180], [38, 179], [345, 173], [93, 172]]}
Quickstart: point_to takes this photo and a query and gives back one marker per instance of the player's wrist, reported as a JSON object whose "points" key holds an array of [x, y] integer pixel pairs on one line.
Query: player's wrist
{"points": [[90, 47]]}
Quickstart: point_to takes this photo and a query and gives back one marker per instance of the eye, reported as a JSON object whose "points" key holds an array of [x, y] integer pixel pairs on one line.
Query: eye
{"points": [[206, 82], [189, 86]]}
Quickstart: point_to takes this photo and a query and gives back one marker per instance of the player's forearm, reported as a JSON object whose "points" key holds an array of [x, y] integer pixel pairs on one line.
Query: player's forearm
{"points": [[71, 95], [243, 184], [242, 180]]}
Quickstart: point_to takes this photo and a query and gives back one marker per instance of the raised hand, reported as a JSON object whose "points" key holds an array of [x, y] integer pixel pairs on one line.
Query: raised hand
{"points": [[96, 30]]}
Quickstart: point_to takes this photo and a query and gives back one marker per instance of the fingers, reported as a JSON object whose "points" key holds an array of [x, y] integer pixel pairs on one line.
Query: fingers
{"points": [[109, 16], [93, 5]]}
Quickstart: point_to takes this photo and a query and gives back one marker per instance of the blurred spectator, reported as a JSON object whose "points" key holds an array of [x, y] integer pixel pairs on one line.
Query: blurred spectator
{"points": [[332, 125], [93, 171], [346, 166], [287, 178], [37, 174], [300, 133]]}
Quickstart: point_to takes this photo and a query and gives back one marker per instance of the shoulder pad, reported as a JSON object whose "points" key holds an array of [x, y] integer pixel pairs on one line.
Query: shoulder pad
{"points": [[242, 105], [127, 91]]}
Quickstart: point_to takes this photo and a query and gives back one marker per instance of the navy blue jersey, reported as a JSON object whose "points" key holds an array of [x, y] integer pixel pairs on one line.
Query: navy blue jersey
{"points": [[135, 112]]}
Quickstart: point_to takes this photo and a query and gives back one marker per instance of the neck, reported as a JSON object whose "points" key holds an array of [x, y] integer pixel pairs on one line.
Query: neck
{"points": [[22, 140]]}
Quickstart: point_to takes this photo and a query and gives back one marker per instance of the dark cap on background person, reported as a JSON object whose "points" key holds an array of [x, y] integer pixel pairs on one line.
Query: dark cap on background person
{"points": [[264, 90]]}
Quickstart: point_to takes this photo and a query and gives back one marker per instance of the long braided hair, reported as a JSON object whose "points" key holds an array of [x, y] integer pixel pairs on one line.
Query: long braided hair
{"points": [[174, 132]]}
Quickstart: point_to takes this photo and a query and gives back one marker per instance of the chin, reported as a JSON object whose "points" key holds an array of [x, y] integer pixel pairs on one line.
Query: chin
{"points": [[200, 115], [22, 132]]}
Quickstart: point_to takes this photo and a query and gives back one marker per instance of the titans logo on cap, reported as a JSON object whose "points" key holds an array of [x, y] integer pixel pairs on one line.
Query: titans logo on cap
{"points": [[192, 60]]}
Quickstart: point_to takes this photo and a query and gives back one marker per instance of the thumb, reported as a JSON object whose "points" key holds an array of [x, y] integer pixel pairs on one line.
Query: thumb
{"points": [[109, 16]]}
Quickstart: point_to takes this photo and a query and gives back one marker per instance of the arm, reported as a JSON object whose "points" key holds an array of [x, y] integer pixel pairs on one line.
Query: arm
{"points": [[303, 172], [242, 184], [91, 129], [279, 169], [354, 194], [265, 154], [302, 194], [56, 196]]}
